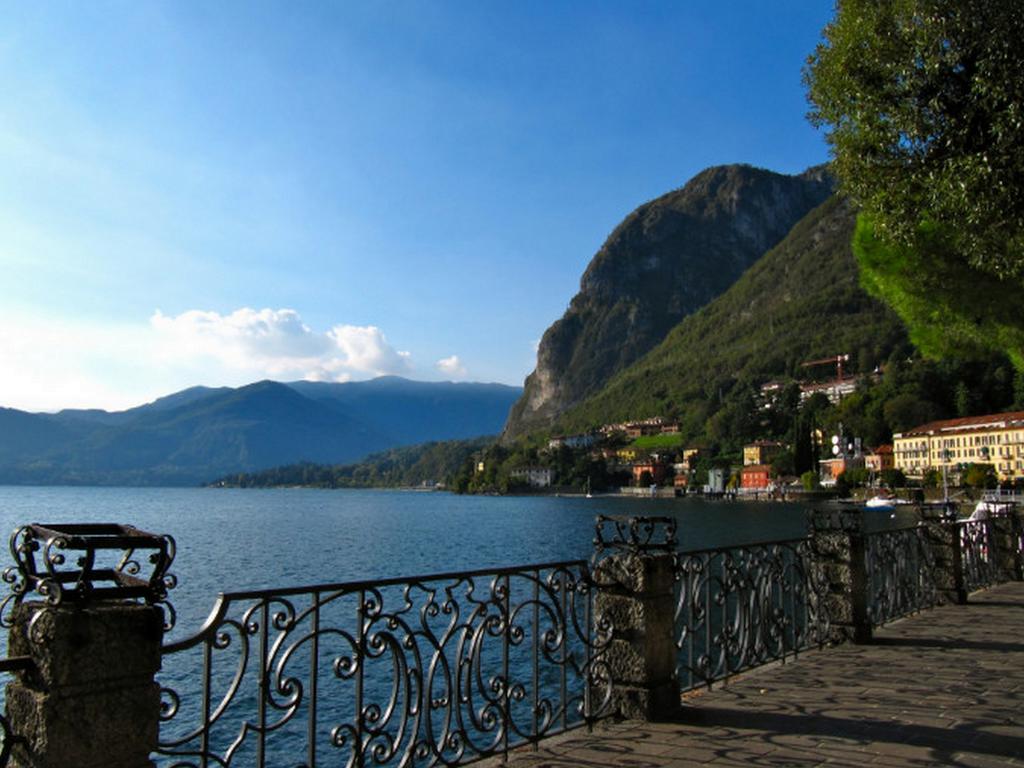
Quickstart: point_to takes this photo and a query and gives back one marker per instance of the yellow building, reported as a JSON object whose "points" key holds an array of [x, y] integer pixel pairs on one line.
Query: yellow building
{"points": [[996, 439], [761, 452]]}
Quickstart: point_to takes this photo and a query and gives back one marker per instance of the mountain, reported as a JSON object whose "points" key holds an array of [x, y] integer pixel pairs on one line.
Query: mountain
{"points": [[420, 411], [666, 260], [200, 434], [801, 301], [168, 402]]}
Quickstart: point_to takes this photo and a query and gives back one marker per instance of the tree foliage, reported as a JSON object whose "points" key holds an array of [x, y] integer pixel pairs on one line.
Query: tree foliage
{"points": [[923, 101], [949, 307], [408, 466]]}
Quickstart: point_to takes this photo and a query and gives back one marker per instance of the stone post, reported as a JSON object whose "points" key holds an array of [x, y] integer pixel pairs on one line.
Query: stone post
{"points": [[90, 700], [944, 540], [636, 595], [88, 697], [839, 558]]}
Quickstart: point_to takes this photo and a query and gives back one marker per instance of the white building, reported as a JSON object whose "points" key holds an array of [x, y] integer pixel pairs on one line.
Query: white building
{"points": [[572, 441], [535, 477]]}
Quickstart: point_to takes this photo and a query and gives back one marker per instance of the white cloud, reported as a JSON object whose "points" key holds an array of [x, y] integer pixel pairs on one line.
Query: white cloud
{"points": [[452, 366], [280, 345], [49, 363], [365, 349]]}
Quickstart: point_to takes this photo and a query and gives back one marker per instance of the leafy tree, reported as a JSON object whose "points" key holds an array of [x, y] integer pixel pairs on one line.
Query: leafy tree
{"points": [[980, 476], [907, 410], [923, 101], [856, 478], [893, 478], [949, 306], [803, 450], [809, 480], [783, 464]]}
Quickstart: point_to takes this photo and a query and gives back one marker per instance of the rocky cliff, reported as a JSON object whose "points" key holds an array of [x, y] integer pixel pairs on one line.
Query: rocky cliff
{"points": [[667, 259]]}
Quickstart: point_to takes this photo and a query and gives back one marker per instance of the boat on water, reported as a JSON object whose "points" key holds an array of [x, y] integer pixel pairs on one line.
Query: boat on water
{"points": [[989, 506], [885, 502]]}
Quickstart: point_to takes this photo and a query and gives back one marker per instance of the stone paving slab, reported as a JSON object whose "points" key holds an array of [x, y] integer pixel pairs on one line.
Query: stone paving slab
{"points": [[945, 687]]}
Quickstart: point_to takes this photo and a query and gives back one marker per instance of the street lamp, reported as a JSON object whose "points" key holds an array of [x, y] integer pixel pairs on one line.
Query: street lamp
{"points": [[945, 481]]}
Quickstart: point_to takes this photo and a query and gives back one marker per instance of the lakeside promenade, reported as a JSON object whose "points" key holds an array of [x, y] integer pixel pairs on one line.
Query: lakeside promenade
{"points": [[942, 688]]}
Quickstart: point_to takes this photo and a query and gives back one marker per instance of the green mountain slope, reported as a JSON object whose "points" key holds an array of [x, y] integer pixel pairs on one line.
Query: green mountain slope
{"points": [[666, 259], [799, 302]]}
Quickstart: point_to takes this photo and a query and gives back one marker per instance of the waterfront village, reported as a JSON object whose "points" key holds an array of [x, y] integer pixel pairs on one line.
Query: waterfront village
{"points": [[650, 457]]}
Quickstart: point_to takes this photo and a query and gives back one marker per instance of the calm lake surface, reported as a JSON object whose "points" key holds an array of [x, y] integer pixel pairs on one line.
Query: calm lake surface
{"points": [[246, 539]]}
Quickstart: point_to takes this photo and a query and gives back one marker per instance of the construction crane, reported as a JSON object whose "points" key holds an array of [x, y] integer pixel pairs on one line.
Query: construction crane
{"points": [[836, 360]]}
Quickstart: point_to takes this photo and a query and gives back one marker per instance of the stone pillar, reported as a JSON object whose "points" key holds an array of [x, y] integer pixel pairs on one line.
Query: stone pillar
{"points": [[839, 560], [90, 700], [636, 594], [944, 541]]}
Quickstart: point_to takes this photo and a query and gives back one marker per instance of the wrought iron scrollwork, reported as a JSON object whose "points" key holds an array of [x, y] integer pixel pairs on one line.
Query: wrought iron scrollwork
{"points": [[901, 573], [979, 554], [82, 562], [740, 607], [617, 533], [835, 520], [429, 671]]}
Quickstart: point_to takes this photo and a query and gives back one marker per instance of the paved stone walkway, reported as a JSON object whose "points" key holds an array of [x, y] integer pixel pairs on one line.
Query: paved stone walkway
{"points": [[945, 687]]}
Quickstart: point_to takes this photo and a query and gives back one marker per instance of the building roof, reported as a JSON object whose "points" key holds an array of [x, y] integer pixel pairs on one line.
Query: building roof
{"points": [[967, 424]]}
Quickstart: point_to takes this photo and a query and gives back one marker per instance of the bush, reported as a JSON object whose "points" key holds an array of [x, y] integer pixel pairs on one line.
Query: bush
{"points": [[809, 480], [981, 476], [893, 478]]}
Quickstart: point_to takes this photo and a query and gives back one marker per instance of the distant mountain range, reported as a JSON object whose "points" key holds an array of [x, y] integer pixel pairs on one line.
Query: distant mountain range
{"points": [[203, 433]]}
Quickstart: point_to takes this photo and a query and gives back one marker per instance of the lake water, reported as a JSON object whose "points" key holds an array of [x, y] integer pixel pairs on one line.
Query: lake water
{"points": [[231, 540], [247, 539]]}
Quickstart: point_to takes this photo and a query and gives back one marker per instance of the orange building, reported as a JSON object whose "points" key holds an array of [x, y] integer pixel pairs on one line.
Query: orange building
{"points": [[755, 477], [657, 470], [881, 459]]}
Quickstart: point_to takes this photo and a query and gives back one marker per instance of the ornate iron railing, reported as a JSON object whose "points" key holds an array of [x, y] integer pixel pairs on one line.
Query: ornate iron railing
{"points": [[741, 607], [979, 554], [428, 671], [900, 568], [638, 535]]}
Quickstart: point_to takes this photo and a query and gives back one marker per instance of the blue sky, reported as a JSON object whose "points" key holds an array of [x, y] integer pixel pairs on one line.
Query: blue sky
{"points": [[214, 193]]}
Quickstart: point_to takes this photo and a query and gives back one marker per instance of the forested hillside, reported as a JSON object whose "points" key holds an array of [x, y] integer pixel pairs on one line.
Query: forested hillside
{"points": [[666, 259], [412, 466]]}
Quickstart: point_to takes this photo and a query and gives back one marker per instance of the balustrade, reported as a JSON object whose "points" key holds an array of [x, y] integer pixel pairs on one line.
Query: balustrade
{"points": [[443, 669]]}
